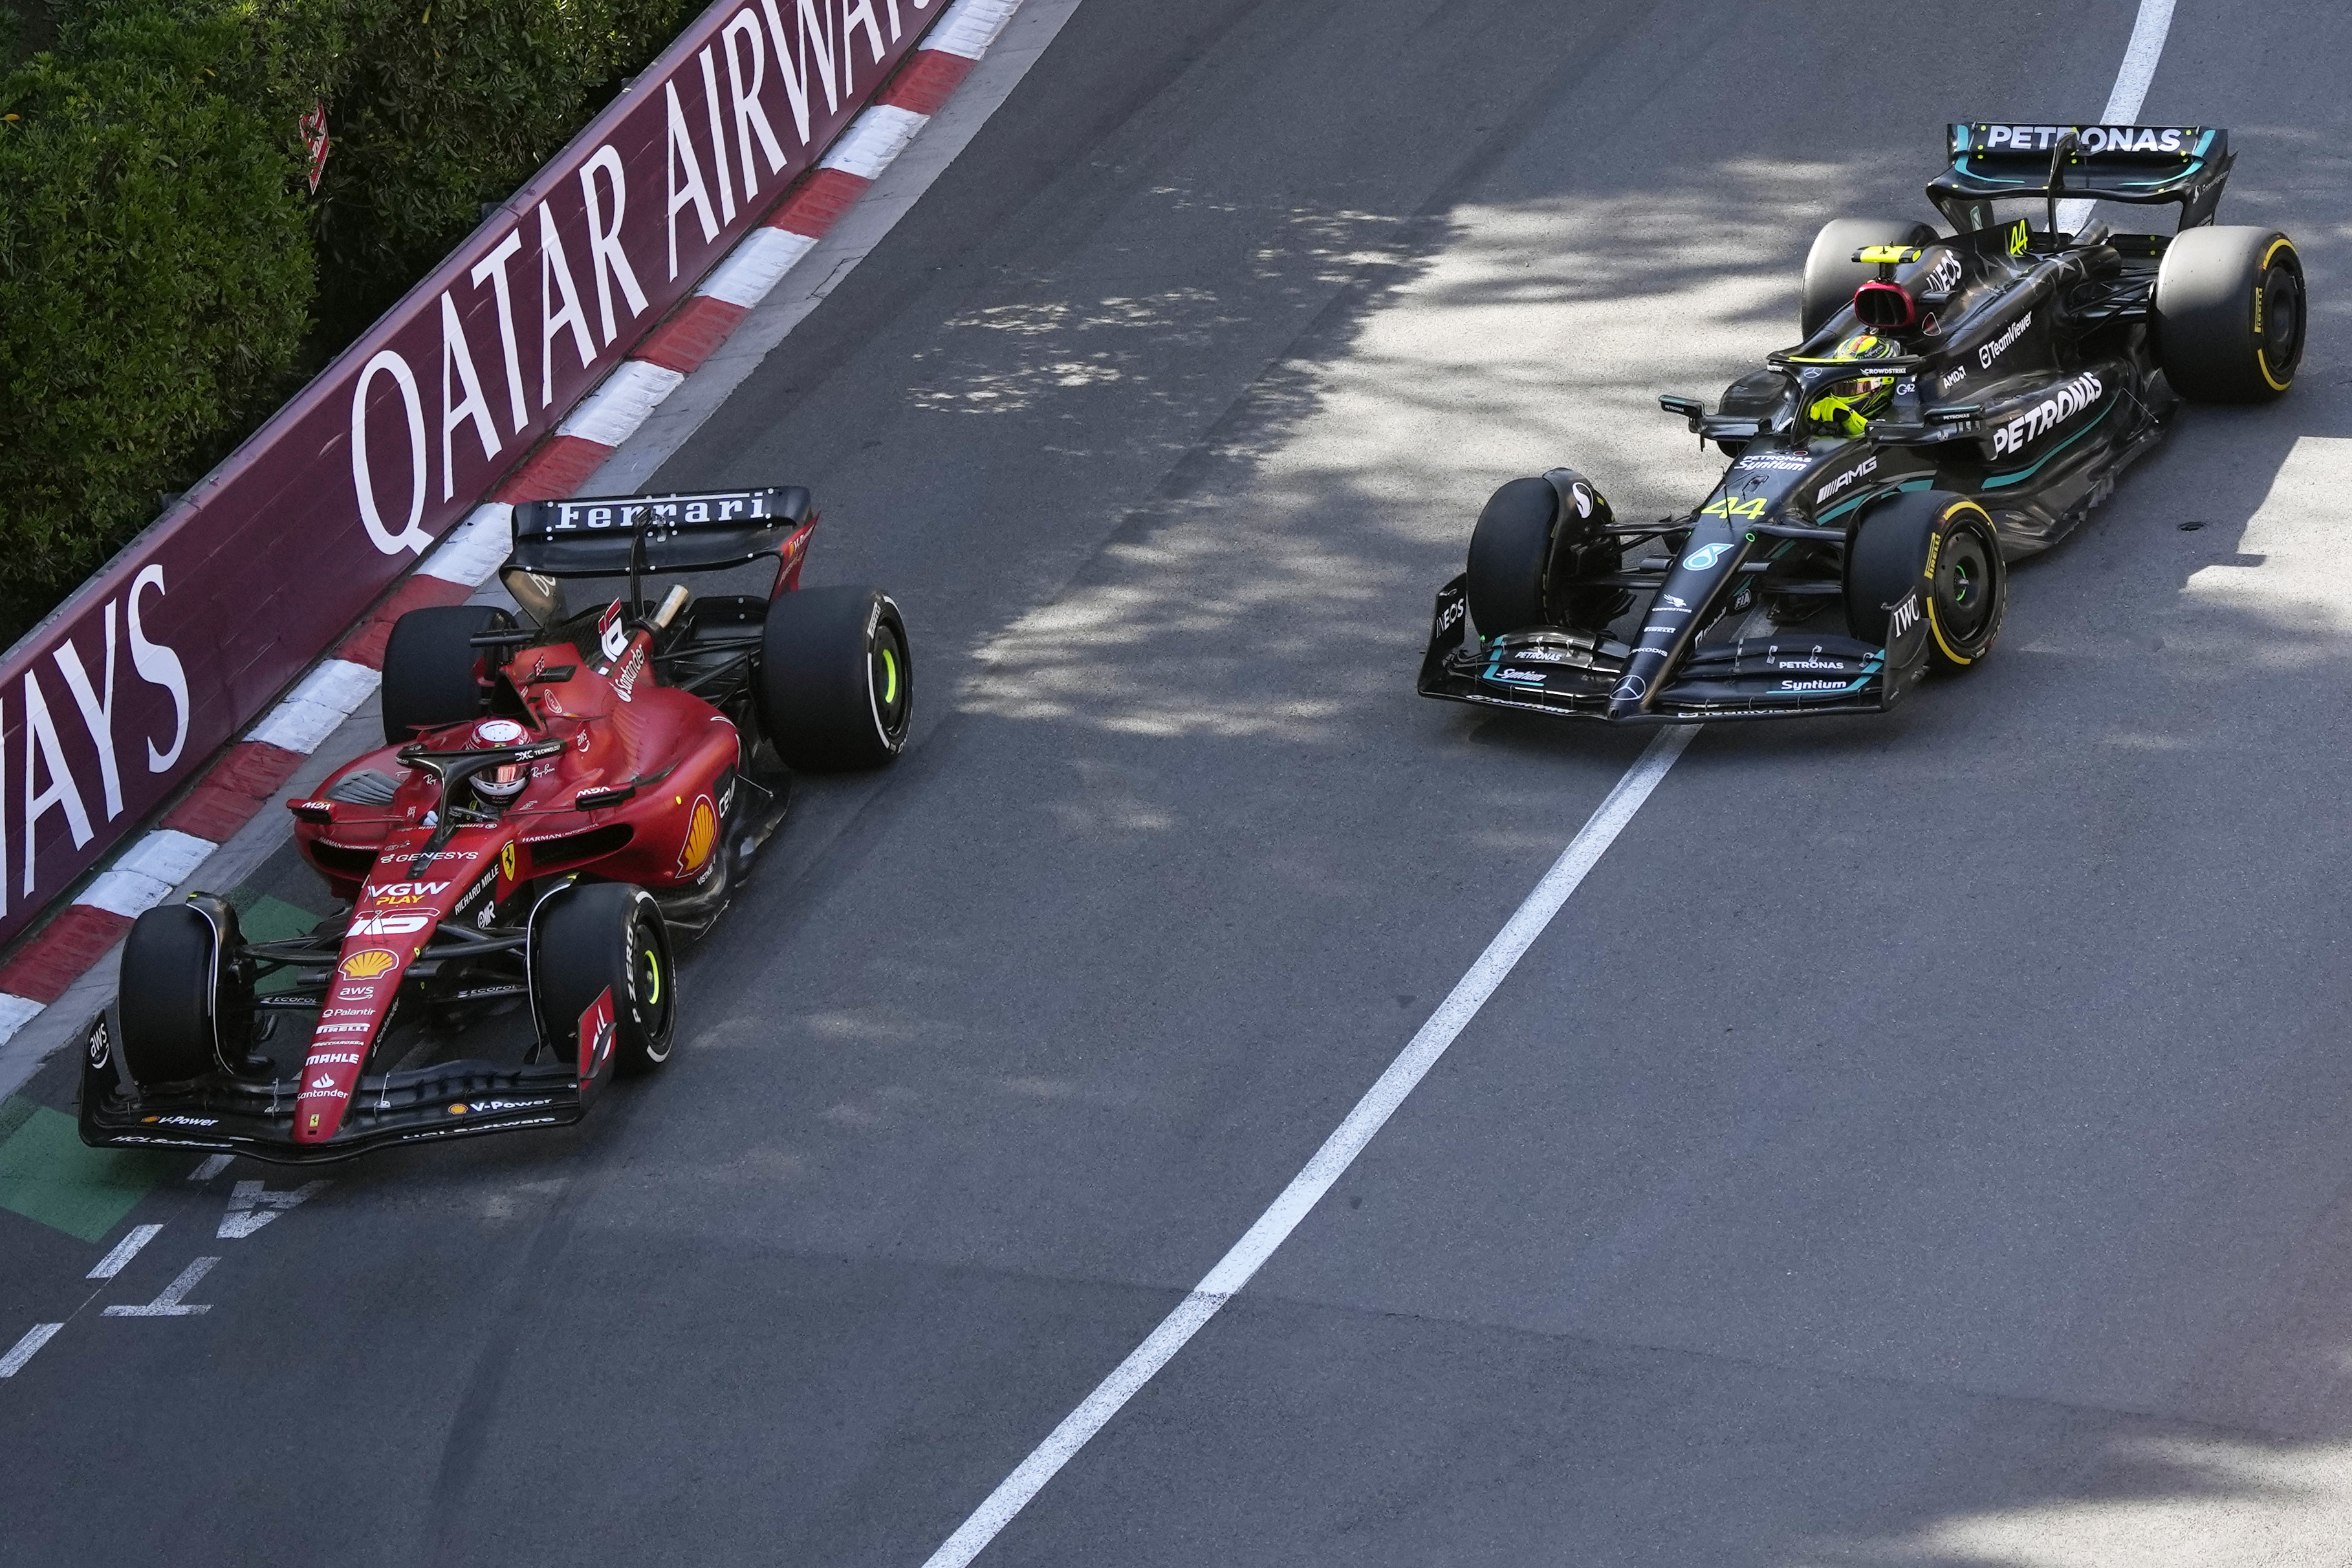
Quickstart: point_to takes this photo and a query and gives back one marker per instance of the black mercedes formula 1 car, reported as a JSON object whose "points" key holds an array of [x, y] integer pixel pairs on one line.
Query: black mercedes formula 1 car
{"points": [[1959, 401]]}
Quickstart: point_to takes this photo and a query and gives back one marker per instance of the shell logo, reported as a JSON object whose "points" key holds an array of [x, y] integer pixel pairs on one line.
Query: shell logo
{"points": [[367, 964], [701, 833]]}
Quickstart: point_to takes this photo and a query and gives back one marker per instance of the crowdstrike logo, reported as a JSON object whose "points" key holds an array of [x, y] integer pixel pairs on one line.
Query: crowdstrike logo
{"points": [[2053, 411]]}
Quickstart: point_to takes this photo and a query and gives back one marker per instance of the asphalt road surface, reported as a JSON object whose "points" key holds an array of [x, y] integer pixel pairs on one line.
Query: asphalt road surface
{"points": [[1921, 1142]]}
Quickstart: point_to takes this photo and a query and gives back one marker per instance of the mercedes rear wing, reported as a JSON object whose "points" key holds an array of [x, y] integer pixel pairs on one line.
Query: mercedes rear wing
{"points": [[2144, 165]]}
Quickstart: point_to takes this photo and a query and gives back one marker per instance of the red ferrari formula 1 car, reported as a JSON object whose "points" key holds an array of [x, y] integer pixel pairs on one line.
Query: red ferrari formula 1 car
{"points": [[554, 802]]}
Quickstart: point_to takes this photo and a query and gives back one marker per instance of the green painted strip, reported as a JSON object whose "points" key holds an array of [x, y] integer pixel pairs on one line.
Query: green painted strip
{"points": [[266, 918], [49, 1175]]}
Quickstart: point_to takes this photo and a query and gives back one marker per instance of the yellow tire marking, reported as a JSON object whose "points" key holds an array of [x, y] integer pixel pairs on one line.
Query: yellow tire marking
{"points": [[2262, 359], [1935, 625]]}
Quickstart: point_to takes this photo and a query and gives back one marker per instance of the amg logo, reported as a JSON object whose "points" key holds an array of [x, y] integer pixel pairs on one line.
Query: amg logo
{"points": [[1999, 345], [1847, 479], [2062, 406]]}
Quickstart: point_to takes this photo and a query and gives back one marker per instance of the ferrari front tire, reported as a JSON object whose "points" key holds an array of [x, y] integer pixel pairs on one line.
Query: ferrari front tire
{"points": [[1831, 274], [837, 679], [174, 987], [599, 937], [2230, 314], [1924, 567]]}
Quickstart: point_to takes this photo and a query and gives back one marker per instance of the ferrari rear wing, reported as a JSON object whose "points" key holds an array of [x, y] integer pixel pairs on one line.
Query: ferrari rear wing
{"points": [[2144, 165], [608, 536]]}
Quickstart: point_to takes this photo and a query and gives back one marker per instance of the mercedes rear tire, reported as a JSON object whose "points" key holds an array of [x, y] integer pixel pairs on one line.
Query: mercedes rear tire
{"points": [[2230, 314]]}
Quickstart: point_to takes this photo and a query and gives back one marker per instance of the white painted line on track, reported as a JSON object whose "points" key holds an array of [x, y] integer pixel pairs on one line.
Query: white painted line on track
{"points": [[252, 1206], [211, 1165], [2149, 29], [124, 1251], [1329, 1162], [167, 1305], [35, 1337]]}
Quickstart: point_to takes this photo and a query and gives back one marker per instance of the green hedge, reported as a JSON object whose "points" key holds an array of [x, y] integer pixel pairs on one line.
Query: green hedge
{"points": [[166, 278]]}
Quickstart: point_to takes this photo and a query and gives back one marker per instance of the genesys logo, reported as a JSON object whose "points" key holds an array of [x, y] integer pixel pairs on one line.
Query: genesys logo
{"points": [[2049, 414]]}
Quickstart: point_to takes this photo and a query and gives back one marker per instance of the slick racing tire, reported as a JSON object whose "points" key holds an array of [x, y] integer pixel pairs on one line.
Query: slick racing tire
{"points": [[431, 670], [1831, 274], [606, 936], [1534, 549], [180, 993], [837, 679], [2230, 314], [1923, 573], [1509, 549]]}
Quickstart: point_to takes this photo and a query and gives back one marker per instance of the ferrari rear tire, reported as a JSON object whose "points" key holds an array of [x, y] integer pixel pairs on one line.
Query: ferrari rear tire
{"points": [[2230, 314], [171, 999], [1923, 573], [1509, 550], [600, 937], [837, 679], [432, 672], [1831, 274]]}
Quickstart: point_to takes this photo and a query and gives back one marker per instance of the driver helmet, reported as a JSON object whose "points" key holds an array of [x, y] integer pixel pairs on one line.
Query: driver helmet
{"points": [[501, 784], [1852, 408]]}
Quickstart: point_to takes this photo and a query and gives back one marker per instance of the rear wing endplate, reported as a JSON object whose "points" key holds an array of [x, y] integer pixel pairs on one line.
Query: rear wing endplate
{"points": [[2142, 164]]}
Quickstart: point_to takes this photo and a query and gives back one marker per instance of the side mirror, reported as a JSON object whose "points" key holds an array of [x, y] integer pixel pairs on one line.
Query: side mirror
{"points": [[1690, 408]]}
